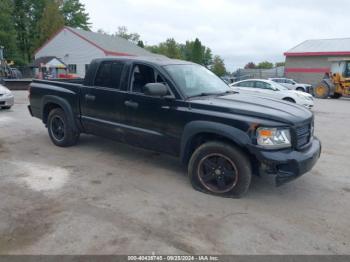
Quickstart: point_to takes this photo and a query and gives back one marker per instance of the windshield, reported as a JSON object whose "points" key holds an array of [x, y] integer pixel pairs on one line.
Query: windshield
{"points": [[278, 86], [196, 80]]}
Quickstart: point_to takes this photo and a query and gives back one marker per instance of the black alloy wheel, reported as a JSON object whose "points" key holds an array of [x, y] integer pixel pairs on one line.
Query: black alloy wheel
{"points": [[217, 173]]}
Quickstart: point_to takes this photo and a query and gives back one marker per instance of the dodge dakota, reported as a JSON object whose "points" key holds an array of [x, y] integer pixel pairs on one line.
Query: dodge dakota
{"points": [[182, 109]]}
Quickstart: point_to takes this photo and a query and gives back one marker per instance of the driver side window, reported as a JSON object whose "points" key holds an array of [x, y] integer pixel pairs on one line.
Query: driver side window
{"points": [[142, 75]]}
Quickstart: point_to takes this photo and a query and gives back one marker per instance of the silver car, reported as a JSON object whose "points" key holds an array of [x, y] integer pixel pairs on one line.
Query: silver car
{"points": [[7, 99], [292, 85]]}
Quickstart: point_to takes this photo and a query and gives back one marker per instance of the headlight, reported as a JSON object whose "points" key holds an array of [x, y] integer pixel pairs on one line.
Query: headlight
{"points": [[273, 138]]}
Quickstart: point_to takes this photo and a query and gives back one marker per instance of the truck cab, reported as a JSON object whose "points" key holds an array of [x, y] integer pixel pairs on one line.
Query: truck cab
{"points": [[182, 109]]}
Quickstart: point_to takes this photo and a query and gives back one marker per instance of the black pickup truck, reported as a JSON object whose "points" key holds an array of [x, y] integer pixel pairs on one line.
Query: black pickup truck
{"points": [[182, 109]]}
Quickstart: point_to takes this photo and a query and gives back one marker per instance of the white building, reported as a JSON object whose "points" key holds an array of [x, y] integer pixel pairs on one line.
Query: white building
{"points": [[76, 48]]}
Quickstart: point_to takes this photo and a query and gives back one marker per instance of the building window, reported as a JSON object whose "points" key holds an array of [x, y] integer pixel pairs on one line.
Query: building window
{"points": [[72, 69]]}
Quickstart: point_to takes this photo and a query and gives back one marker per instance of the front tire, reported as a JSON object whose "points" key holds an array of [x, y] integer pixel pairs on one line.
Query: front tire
{"points": [[300, 89], [220, 169], [60, 131], [6, 107], [322, 91]]}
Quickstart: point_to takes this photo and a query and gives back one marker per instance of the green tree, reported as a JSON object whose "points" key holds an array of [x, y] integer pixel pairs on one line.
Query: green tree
{"points": [[265, 65], [74, 14], [141, 44], [218, 66], [170, 48], [51, 21], [197, 52], [278, 64], [25, 18], [124, 33], [7, 31], [208, 57], [250, 65]]}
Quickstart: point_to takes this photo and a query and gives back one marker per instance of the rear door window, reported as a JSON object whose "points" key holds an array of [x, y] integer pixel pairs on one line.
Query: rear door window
{"points": [[109, 75], [247, 84]]}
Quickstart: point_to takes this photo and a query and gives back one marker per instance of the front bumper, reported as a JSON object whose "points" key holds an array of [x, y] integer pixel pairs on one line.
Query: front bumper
{"points": [[289, 164], [6, 101]]}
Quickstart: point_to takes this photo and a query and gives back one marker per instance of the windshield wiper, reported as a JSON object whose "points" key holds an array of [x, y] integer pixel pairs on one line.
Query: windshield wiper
{"points": [[214, 94], [228, 92], [204, 94]]}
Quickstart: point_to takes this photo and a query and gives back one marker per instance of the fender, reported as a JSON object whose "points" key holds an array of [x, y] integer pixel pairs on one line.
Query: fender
{"points": [[197, 127], [65, 106]]}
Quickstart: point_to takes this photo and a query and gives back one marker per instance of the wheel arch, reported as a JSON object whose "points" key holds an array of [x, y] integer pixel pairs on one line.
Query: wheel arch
{"points": [[51, 102], [301, 87], [199, 132], [289, 99]]}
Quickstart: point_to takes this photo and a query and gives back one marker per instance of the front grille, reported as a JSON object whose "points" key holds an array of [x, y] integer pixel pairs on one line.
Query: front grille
{"points": [[303, 135]]}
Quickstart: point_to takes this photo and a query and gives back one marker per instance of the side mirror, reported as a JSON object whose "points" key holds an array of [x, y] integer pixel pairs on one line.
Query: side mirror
{"points": [[155, 89]]}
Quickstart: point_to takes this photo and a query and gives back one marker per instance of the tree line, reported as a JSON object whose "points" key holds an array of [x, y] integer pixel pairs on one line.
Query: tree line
{"points": [[26, 24], [193, 51], [263, 65]]}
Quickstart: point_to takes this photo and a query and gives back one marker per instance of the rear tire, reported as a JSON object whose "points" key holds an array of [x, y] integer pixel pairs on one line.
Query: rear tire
{"points": [[336, 96], [220, 169], [60, 131], [322, 91]]}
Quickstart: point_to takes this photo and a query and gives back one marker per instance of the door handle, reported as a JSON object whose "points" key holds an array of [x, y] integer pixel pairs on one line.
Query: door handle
{"points": [[131, 104], [90, 97]]}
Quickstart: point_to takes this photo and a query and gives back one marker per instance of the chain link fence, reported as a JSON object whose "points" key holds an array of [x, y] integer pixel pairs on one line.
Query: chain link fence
{"points": [[243, 74]]}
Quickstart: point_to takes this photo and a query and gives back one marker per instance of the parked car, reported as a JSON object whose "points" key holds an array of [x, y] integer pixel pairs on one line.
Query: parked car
{"points": [[292, 85], [273, 90], [185, 110], [6, 98]]}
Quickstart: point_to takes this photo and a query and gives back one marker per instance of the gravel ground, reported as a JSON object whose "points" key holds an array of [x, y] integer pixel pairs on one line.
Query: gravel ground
{"points": [[101, 197]]}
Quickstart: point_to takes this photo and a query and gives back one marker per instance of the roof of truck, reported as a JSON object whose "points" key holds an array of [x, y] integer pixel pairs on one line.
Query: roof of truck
{"points": [[158, 60]]}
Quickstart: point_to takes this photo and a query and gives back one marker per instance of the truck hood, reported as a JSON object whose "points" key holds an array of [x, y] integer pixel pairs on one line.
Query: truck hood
{"points": [[257, 106]]}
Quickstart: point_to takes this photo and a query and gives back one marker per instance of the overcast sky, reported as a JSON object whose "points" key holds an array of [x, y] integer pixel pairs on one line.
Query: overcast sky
{"points": [[238, 30]]}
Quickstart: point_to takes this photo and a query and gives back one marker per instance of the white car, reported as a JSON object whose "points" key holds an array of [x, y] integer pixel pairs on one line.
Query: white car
{"points": [[271, 89], [6, 98], [291, 84]]}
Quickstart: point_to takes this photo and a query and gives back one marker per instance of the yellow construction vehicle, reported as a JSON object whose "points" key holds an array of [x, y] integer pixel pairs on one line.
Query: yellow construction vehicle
{"points": [[336, 83]]}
